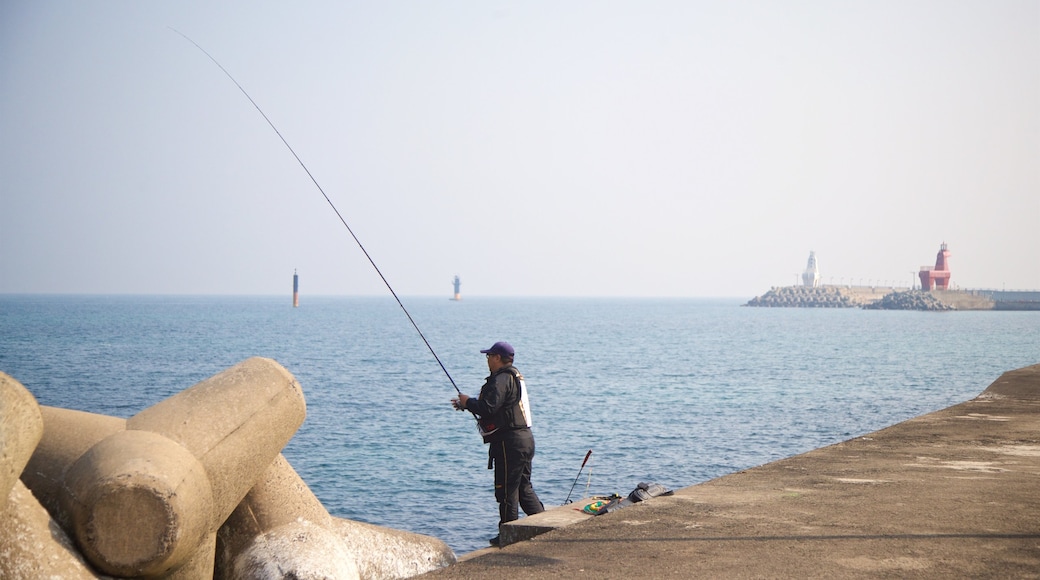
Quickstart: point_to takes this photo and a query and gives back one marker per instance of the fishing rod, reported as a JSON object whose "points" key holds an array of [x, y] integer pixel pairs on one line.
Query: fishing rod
{"points": [[568, 500], [332, 205]]}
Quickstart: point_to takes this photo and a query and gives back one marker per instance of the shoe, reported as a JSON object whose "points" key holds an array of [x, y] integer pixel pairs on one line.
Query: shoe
{"points": [[494, 541]]}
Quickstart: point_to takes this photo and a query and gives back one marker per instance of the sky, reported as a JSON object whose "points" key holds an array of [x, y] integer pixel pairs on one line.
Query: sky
{"points": [[649, 148]]}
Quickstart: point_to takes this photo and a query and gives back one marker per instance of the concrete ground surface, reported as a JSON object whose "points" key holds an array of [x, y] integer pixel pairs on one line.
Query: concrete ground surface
{"points": [[950, 494]]}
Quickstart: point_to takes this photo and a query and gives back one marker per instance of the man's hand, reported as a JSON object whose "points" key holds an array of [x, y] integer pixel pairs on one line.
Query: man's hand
{"points": [[460, 402]]}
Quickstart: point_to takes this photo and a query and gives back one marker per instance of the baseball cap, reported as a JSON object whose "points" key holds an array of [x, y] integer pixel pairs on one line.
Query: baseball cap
{"points": [[499, 348]]}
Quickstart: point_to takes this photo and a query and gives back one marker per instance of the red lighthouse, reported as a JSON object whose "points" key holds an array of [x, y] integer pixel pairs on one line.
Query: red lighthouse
{"points": [[937, 278]]}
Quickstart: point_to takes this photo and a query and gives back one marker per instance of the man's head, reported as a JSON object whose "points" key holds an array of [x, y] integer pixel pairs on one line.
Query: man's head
{"points": [[499, 355]]}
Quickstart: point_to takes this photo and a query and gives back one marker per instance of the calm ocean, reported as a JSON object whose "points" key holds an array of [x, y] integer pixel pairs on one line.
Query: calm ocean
{"points": [[675, 391]]}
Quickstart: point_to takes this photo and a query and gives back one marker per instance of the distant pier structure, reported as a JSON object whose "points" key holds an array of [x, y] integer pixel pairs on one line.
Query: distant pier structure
{"points": [[457, 283], [937, 278], [295, 290], [811, 275]]}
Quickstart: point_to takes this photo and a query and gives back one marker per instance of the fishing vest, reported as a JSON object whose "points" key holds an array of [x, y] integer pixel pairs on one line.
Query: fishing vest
{"points": [[512, 415]]}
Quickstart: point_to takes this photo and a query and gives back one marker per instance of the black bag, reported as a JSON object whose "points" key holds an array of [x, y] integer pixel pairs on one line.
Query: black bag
{"points": [[645, 491], [642, 492]]}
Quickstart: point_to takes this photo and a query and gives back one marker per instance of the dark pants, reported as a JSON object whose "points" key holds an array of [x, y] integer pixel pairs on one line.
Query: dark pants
{"points": [[511, 458]]}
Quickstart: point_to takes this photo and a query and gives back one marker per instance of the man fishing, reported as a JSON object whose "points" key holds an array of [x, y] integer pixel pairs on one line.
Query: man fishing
{"points": [[504, 418], [502, 410]]}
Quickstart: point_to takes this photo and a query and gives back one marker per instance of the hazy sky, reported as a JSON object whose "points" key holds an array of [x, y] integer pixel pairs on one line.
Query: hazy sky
{"points": [[599, 148]]}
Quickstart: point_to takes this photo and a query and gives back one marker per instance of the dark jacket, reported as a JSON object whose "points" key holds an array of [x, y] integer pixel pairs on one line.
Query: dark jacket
{"points": [[498, 404]]}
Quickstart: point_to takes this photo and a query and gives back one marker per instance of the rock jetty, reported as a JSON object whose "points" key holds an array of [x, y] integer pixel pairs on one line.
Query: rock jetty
{"points": [[891, 298], [192, 487], [805, 297], [910, 300], [869, 298]]}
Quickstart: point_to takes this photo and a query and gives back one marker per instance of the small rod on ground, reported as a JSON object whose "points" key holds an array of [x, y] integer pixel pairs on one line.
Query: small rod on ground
{"points": [[587, 455]]}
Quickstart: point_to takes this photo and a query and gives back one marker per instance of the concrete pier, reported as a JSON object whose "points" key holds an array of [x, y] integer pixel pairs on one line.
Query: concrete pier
{"points": [[950, 494]]}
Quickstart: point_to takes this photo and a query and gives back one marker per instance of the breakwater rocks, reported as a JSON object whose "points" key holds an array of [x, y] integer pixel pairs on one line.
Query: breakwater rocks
{"points": [[910, 300], [888, 298], [192, 487], [820, 297]]}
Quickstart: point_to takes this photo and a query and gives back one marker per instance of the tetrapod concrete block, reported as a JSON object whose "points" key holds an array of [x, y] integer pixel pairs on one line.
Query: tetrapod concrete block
{"points": [[281, 507], [67, 435], [148, 500], [140, 504], [235, 423], [21, 427], [280, 529], [33, 545]]}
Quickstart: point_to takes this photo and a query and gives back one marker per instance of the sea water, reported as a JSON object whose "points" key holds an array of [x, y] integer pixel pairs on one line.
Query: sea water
{"points": [[673, 391]]}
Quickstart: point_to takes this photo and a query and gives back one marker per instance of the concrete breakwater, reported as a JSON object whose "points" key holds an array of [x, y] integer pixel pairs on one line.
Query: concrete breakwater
{"points": [[887, 298], [991, 299], [820, 297], [192, 487], [949, 494]]}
